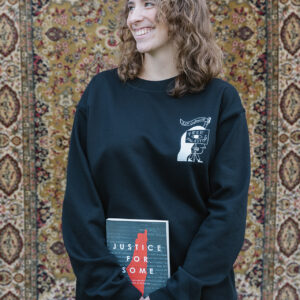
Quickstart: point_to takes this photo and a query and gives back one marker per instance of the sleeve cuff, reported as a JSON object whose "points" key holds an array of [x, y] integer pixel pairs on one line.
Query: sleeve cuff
{"points": [[161, 294], [182, 285], [128, 291]]}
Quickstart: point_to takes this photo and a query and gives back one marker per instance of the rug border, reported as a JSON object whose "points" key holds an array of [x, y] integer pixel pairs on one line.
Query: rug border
{"points": [[29, 171], [267, 288]]}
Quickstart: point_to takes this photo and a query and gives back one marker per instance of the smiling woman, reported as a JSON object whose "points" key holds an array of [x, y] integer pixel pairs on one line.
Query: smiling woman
{"points": [[160, 137], [152, 39], [136, 23], [181, 43]]}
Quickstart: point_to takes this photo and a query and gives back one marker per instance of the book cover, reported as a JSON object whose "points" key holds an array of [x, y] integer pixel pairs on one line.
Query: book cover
{"points": [[142, 249]]}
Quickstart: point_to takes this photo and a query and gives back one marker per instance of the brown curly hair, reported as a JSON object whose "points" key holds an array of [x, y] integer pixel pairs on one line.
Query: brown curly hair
{"points": [[199, 57]]}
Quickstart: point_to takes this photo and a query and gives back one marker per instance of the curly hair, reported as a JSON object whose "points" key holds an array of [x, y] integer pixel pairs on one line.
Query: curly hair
{"points": [[199, 57]]}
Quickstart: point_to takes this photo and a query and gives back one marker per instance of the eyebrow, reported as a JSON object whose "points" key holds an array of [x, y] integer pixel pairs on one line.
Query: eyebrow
{"points": [[131, 2]]}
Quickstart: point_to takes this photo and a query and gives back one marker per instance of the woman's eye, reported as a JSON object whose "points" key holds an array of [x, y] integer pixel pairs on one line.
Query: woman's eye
{"points": [[130, 7], [149, 3]]}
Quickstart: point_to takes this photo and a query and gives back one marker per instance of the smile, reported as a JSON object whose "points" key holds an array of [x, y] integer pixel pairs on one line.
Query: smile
{"points": [[143, 33]]}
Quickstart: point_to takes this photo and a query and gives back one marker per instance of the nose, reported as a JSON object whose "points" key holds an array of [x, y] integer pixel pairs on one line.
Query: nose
{"points": [[136, 15]]}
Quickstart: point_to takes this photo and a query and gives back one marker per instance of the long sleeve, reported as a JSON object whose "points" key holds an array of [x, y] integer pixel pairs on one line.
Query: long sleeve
{"points": [[97, 271], [215, 246]]}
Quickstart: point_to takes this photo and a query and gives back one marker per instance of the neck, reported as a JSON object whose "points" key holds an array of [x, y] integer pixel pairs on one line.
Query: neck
{"points": [[159, 65]]}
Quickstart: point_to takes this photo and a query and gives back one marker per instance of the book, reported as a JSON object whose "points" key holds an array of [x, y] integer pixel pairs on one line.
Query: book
{"points": [[142, 249]]}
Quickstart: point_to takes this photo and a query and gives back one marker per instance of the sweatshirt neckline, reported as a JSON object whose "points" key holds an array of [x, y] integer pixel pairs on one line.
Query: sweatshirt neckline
{"points": [[152, 85]]}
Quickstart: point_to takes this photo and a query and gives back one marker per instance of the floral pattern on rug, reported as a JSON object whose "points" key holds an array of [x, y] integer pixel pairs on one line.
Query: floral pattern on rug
{"points": [[49, 52]]}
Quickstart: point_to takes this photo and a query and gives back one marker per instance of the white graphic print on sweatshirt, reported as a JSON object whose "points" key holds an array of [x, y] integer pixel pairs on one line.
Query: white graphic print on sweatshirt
{"points": [[194, 140]]}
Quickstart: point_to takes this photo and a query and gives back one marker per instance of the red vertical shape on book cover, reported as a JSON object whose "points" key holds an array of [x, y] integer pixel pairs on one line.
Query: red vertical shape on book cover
{"points": [[137, 269]]}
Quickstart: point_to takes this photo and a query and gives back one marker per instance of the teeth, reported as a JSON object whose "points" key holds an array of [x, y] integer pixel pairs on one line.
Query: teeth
{"points": [[143, 31]]}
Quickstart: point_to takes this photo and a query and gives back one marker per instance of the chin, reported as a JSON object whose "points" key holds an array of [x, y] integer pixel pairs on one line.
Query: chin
{"points": [[143, 50], [150, 50]]}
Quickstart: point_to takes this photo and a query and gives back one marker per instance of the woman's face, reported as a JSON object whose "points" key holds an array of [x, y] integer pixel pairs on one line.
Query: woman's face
{"points": [[150, 36]]}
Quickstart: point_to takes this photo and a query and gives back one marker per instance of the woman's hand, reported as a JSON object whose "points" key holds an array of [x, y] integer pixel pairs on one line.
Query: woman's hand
{"points": [[142, 298]]}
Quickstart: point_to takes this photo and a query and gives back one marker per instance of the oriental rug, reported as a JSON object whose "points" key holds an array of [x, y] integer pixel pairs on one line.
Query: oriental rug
{"points": [[50, 50]]}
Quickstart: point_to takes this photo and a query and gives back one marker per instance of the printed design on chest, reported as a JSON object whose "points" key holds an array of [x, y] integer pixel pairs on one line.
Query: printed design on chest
{"points": [[194, 140]]}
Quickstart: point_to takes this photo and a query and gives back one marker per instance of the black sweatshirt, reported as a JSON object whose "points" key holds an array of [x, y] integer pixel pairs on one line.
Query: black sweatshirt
{"points": [[136, 152]]}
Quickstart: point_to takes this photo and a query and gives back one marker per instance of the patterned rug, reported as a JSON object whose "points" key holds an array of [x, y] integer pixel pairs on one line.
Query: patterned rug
{"points": [[49, 51]]}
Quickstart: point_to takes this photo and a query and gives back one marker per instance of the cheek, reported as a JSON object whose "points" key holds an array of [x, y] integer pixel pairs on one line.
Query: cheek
{"points": [[163, 34]]}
